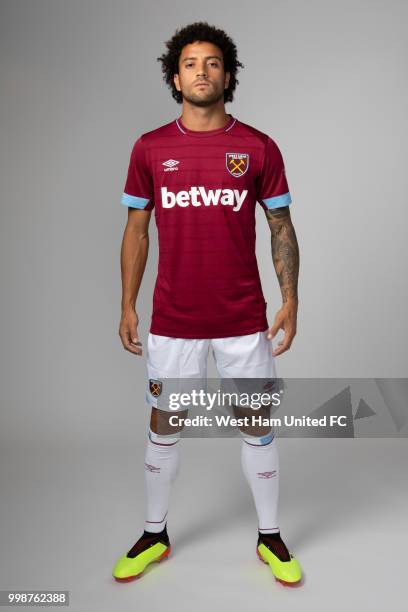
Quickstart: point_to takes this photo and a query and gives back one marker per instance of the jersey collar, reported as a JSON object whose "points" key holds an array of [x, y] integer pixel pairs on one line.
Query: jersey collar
{"points": [[205, 133]]}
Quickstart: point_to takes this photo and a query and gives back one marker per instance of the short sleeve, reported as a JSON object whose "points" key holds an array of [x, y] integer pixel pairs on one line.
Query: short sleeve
{"points": [[273, 190], [138, 191]]}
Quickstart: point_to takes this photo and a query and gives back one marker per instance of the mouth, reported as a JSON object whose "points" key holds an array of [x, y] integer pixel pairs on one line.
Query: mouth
{"points": [[203, 83]]}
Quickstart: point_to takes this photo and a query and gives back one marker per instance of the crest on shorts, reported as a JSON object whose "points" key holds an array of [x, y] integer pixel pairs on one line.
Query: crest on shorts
{"points": [[237, 163], [155, 387]]}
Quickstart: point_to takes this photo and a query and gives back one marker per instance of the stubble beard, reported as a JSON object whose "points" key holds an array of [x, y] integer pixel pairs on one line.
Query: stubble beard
{"points": [[203, 101]]}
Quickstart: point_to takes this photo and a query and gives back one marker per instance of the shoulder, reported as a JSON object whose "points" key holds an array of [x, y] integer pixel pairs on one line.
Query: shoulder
{"points": [[145, 142], [264, 140], [162, 132]]}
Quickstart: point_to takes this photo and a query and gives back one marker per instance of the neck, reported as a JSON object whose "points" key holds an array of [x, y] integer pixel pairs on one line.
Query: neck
{"points": [[202, 119]]}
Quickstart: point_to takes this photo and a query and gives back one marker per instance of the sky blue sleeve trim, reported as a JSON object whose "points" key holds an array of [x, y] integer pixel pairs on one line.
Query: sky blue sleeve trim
{"points": [[278, 201], [134, 201]]}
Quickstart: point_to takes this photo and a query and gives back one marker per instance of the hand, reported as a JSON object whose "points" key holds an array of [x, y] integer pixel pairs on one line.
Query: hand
{"points": [[128, 332], [285, 319]]}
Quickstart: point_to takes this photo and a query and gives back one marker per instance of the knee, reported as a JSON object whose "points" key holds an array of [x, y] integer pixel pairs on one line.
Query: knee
{"points": [[259, 429], [160, 422]]}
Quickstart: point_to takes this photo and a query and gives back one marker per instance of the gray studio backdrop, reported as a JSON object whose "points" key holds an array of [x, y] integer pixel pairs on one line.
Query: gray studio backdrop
{"points": [[80, 82]]}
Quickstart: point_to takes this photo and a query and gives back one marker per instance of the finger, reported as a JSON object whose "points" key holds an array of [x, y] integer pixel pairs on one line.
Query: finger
{"points": [[280, 350], [133, 349], [283, 345], [136, 346], [274, 329], [129, 345]]}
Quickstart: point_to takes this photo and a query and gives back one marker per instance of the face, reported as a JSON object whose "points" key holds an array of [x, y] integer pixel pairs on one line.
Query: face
{"points": [[201, 78]]}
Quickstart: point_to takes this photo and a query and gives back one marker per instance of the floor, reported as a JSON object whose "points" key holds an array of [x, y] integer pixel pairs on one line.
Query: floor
{"points": [[67, 514]]}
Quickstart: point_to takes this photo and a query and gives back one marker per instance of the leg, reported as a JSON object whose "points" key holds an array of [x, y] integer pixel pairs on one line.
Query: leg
{"points": [[260, 464], [167, 358], [162, 459], [250, 357]]}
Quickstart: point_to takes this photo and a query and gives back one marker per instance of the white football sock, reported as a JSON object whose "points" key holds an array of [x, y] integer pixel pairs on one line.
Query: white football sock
{"points": [[161, 469], [260, 464]]}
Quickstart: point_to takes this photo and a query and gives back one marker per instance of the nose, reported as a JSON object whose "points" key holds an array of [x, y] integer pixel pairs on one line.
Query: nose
{"points": [[202, 71]]}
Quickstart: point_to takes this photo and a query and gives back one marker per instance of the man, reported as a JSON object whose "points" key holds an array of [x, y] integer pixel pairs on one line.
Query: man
{"points": [[203, 173]]}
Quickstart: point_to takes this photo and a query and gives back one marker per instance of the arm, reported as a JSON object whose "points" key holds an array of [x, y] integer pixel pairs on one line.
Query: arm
{"points": [[285, 255], [134, 251]]}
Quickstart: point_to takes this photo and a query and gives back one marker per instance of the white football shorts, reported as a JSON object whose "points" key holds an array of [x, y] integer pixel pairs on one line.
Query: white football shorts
{"points": [[249, 356]]}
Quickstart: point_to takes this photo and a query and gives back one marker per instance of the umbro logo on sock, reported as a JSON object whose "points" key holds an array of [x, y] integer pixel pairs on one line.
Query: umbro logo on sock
{"points": [[199, 196], [152, 468]]}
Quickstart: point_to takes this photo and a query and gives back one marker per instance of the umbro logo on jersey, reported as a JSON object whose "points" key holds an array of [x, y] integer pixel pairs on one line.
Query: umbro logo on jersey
{"points": [[170, 165], [237, 163], [198, 196]]}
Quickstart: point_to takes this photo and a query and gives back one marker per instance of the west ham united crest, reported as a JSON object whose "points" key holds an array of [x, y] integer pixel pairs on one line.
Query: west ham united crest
{"points": [[155, 387], [237, 163]]}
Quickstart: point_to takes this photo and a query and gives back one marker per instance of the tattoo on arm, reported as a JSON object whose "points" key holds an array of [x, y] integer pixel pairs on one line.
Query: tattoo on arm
{"points": [[285, 250]]}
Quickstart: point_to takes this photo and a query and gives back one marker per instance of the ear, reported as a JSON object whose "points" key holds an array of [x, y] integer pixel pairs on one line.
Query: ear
{"points": [[176, 82], [227, 80]]}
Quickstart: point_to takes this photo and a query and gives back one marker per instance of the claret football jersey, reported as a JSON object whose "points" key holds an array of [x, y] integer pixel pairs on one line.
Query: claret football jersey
{"points": [[203, 187]]}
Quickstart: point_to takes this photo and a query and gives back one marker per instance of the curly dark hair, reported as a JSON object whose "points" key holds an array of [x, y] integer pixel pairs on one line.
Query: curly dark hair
{"points": [[203, 32]]}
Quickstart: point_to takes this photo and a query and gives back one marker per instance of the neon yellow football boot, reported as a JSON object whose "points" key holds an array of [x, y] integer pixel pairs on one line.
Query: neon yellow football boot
{"points": [[148, 549], [287, 572]]}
